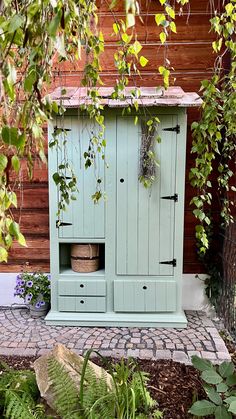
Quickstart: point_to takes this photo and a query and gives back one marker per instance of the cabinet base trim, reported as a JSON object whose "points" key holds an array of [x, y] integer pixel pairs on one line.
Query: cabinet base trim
{"points": [[177, 320]]}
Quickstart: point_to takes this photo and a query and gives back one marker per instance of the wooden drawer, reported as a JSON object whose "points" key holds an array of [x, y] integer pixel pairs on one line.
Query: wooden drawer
{"points": [[82, 304], [82, 287], [144, 296]]}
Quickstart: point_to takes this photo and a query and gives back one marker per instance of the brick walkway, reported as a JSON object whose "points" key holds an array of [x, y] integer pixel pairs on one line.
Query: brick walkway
{"points": [[21, 335]]}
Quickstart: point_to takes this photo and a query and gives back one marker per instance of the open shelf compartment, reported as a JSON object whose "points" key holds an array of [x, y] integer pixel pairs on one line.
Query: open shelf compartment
{"points": [[65, 261]]}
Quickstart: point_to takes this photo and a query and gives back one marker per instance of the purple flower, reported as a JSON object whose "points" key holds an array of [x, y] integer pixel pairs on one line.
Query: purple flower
{"points": [[49, 277], [28, 298], [29, 284], [42, 303], [38, 304], [18, 277], [18, 282], [20, 291], [49, 286], [22, 282]]}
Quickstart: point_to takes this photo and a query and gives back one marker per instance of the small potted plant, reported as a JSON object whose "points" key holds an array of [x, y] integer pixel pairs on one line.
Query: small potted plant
{"points": [[34, 288]]}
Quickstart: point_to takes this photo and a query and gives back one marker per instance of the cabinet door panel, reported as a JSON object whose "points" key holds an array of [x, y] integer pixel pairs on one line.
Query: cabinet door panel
{"points": [[144, 296], [145, 221], [86, 218]]}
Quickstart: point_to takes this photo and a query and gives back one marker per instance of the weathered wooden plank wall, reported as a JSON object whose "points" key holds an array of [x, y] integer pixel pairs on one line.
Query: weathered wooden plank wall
{"points": [[190, 54]]}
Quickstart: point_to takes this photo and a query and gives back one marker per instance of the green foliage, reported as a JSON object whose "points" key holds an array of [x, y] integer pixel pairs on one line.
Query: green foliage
{"points": [[214, 135], [126, 398], [19, 395], [219, 383]]}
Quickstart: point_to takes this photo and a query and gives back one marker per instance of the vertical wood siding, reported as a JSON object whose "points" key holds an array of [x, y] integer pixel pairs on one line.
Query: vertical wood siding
{"points": [[190, 54]]}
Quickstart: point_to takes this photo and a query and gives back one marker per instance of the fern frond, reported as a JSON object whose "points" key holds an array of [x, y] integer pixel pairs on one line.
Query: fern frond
{"points": [[64, 389], [39, 411], [18, 407]]}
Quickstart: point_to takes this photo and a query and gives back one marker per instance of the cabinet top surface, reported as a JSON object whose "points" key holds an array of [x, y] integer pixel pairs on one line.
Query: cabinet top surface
{"points": [[74, 97]]}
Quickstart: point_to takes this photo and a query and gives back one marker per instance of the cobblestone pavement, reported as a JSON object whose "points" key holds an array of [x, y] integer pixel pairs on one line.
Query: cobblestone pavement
{"points": [[23, 336]]}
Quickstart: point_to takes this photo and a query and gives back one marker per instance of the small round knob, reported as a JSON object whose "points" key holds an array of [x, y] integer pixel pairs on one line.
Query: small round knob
{"points": [[81, 285], [144, 287], [122, 180], [81, 301]]}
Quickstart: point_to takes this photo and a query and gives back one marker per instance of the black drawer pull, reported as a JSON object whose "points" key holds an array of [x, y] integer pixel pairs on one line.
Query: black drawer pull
{"points": [[81, 301], [81, 285], [122, 180], [144, 287]]}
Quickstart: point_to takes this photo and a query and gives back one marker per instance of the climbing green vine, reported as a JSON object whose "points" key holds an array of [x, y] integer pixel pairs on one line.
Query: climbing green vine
{"points": [[214, 143], [34, 35]]}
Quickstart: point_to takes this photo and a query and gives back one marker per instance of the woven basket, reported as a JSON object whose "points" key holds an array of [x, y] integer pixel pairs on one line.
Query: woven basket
{"points": [[85, 257]]}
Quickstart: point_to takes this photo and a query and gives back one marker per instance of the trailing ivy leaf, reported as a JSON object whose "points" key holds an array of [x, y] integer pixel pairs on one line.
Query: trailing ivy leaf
{"points": [[211, 377], [10, 135], [30, 80], [170, 11], [21, 240], [162, 37], [213, 395], [54, 24], [3, 162], [15, 163], [14, 229], [160, 18], [143, 61], [201, 364], [3, 254], [222, 413], [173, 27], [226, 369], [12, 198], [202, 408], [15, 23], [116, 28]]}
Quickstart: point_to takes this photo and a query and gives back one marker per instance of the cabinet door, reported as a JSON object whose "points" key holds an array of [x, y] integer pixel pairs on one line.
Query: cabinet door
{"points": [[85, 219], [144, 296], [145, 221]]}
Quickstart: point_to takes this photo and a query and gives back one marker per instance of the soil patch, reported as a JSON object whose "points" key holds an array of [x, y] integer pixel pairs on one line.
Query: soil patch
{"points": [[175, 386]]}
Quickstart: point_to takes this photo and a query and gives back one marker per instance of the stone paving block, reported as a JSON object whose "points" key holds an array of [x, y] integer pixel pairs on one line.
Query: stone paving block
{"points": [[180, 356], [163, 354], [223, 356], [146, 354], [208, 355]]}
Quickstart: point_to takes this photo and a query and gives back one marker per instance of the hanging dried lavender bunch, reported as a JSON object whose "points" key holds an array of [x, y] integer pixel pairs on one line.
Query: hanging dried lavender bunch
{"points": [[148, 161]]}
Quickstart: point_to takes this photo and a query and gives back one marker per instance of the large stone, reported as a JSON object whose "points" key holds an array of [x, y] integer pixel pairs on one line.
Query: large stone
{"points": [[72, 363]]}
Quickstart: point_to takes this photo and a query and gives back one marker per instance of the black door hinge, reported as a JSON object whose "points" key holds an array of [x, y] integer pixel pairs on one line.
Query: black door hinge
{"points": [[62, 224], [62, 129], [173, 129], [172, 197], [169, 262]]}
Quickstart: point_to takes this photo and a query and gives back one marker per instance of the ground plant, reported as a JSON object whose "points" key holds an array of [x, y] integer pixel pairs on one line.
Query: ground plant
{"points": [[219, 383], [127, 398], [19, 394]]}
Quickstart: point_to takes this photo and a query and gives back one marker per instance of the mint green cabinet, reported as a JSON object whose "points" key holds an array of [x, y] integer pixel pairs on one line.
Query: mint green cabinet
{"points": [[140, 231]]}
